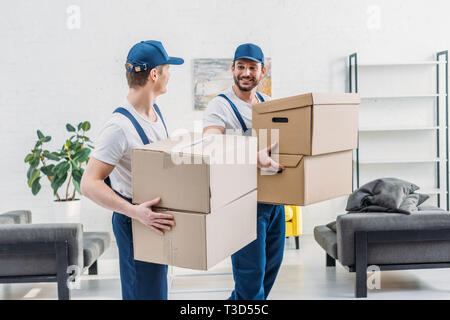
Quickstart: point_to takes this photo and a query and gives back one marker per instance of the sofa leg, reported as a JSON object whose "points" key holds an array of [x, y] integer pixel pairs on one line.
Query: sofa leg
{"points": [[62, 261], [63, 290], [93, 269], [331, 262], [361, 284], [361, 264], [297, 242]]}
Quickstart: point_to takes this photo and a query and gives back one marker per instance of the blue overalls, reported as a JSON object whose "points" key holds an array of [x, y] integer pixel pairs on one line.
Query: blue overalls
{"points": [[140, 280], [255, 267]]}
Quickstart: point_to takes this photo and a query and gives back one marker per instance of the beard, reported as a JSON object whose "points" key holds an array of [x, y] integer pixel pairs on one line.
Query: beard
{"points": [[247, 88]]}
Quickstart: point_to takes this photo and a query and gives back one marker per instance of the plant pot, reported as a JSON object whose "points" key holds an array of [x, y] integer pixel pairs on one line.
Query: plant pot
{"points": [[67, 211]]}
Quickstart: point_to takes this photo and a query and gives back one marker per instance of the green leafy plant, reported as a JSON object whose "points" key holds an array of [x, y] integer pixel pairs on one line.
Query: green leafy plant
{"points": [[58, 166]]}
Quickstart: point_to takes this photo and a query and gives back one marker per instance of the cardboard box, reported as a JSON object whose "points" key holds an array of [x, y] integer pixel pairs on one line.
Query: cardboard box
{"points": [[308, 124], [307, 179], [199, 241], [193, 172]]}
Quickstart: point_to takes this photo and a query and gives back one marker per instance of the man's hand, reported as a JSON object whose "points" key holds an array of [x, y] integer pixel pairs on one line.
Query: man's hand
{"points": [[156, 221], [266, 162]]}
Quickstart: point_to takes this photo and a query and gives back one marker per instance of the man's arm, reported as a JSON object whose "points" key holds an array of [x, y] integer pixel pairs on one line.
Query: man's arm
{"points": [[94, 187]]}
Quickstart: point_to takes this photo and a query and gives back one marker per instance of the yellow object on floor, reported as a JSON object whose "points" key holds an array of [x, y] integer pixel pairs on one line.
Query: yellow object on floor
{"points": [[293, 222]]}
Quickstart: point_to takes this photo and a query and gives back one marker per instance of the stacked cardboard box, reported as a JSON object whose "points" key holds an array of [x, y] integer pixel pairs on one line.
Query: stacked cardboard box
{"points": [[316, 133], [208, 183]]}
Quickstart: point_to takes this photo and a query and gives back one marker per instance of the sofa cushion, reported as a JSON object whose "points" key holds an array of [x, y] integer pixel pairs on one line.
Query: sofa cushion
{"points": [[393, 253], [326, 238], [94, 244], [37, 263], [16, 217], [424, 208], [332, 225]]}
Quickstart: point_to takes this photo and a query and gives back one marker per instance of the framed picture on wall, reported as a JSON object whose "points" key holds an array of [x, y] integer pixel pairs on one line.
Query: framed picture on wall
{"points": [[212, 76]]}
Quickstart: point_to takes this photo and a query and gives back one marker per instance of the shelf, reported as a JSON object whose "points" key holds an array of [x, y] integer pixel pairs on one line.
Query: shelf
{"points": [[431, 191], [399, 63], [399, 161], [381, 129], [403, 96]]}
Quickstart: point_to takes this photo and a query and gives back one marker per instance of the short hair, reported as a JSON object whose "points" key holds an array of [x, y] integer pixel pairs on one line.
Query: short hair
{"points": [[140, 79]]}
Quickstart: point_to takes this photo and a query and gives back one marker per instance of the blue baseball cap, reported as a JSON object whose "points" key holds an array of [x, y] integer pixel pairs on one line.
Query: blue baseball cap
{"points": [[249, 51], [146, 55]]}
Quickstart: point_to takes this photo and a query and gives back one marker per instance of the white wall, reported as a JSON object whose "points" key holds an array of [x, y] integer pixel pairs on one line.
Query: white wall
{"points": [[51, 74]]}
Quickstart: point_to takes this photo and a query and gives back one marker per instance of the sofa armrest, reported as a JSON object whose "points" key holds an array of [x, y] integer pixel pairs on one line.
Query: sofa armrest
{"points": [[18, 234], [15, 217], [347, 224]]}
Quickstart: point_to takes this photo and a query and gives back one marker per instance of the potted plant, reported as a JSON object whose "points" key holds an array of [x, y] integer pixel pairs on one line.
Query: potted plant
{"points": [[63, 168]]}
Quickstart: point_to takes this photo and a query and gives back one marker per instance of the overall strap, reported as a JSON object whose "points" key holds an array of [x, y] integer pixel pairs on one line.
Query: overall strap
{"points": [[260, 97], [139, 130], [162, 119], [236, 112], [136, 124]]}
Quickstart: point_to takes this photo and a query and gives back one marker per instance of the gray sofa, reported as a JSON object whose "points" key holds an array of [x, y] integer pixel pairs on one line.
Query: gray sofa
{"points": [[391, 241], [43, 252]]}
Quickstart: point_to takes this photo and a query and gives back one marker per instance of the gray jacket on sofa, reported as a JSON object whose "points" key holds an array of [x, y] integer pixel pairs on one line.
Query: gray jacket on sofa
{"points": [[386, 195]]}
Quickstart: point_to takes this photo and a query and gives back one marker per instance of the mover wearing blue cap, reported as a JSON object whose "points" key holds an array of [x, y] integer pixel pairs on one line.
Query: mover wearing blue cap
{"points": [[107, 177], [255, 266]]}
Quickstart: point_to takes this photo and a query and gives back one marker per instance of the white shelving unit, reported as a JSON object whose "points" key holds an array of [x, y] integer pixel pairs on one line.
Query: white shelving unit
{"points": [[431, 191], [379, 130], [398, 161], [387, 128], [402, 96], [398, 63]]}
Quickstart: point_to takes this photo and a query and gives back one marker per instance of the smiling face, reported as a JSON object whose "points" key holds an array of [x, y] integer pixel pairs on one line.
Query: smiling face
{"points": [[247, 73]]}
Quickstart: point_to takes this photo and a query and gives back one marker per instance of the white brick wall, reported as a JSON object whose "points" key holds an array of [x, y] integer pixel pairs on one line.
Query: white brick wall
{"points": [[51, 75]]}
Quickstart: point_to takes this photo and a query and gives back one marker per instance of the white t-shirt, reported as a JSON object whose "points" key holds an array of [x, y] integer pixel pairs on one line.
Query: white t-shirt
{"points": [[115, 141], [218, 112]]}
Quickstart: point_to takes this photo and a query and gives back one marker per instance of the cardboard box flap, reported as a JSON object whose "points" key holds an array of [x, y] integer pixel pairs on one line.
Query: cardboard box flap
{"points": [[194, 145], [316, 178], [150, 166], [288, 160], [194, 172], [335, 98], [162, 145], [300, 101], [183, 144], [212, 147], [305, 100]]}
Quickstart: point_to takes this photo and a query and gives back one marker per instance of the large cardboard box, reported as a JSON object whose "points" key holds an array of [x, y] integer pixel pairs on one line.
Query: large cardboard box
{"points": [[308, 124], [307, 179], [193, 172], [199, 241]]}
